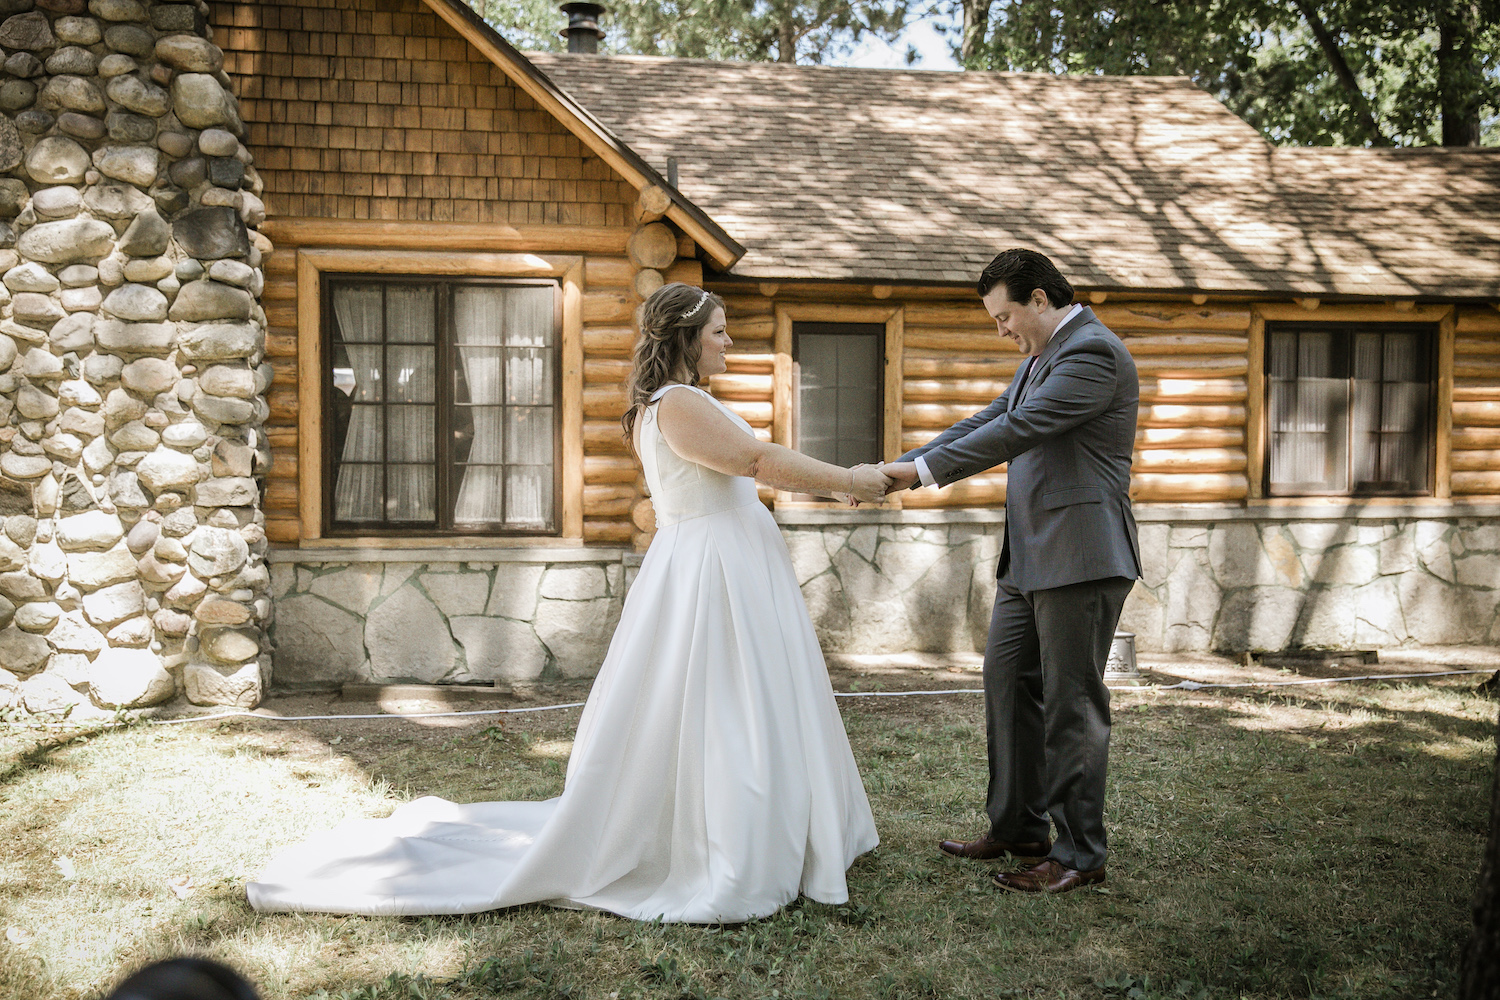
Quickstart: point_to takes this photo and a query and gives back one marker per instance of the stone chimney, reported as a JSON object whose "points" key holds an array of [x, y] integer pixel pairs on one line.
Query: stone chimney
{"points": [[132, 376], [583, 32]]}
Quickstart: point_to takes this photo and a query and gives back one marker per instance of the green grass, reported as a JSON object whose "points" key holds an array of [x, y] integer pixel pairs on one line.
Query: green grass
{"points": [[1320, 844]]}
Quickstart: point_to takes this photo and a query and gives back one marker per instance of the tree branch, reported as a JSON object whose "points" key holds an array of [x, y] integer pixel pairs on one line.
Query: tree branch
{"points": [[1330, 46]]}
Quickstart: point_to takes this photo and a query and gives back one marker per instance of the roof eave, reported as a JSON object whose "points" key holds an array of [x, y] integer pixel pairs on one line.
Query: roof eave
{"points": [[722, 248]]}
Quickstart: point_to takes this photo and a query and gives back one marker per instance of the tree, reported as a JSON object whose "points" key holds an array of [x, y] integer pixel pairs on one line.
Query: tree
{"points": [[1480, 976], [1305, 72], [759, 30], [762, 30]]}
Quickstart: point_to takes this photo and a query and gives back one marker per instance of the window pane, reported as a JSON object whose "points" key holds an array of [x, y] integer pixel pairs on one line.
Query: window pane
{"points": [[358, 495], [411, 374], [1283, 355], [1403, 358], [528, 438], [412, 432], [528, 376], [410, 314], [529, 316], [412, 493], [1315, 355], [839, 387], [479, 500], [1367, 351], [528, 496], [357, 308], [363, 372], [479, 376]]}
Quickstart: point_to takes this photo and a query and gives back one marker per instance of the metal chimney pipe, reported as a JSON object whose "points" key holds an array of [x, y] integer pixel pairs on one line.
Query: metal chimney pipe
{"points": [[583, 32]]}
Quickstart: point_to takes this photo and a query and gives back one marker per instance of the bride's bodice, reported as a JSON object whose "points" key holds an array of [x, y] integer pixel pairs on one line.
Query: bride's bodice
{"points": [[681, 489]]}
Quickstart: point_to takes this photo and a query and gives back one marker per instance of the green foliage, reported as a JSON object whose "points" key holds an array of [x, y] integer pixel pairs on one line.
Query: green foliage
{"points": [[807, 31], [1411, 63]]}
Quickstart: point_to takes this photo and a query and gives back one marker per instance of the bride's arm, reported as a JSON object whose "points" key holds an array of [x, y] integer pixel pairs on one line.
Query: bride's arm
{"points": [[698, 431]]}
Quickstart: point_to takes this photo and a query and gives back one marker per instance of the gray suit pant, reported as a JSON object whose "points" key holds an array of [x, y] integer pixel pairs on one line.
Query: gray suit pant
{"points": [[1047, 714]]}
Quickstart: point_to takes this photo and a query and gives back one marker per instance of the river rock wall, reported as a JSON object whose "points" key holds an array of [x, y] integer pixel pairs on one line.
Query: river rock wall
{"points": [[132, 382]]}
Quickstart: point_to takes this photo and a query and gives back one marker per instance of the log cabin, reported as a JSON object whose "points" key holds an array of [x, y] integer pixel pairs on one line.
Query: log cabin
{"points": [[463, 234]]}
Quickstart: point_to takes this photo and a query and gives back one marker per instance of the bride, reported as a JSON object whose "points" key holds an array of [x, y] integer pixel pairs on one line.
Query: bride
{"points": [[710, 779]]}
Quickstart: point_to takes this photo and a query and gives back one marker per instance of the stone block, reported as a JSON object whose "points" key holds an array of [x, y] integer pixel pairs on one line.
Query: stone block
{"points": [[217, 552], [354, 588], [37, 616], [92, 570], [408, 639], [569, 582], [1438, 614], [229, 645], [1192, 602], [133, 633], [1481, 569], [1344, 565], [1154, 540], [1258, 619], [1143, 617], [147, 236], [1397, 553], [129, 678], [498, 649], [205, 684], [48, 693], [577, 632], [809, 556], [22, 652], [1378, 617], [165, 469], [1317, 536], [30, 32], [68, 241], [47, 562], [1188, 536], [514, 592], [1235, 556], [227, 491], [1480, 537], [221, 341], [1327, 618], [212, 233], [206, 299], [457, 593], [109, 605], [93, 530], [1281, 554]]}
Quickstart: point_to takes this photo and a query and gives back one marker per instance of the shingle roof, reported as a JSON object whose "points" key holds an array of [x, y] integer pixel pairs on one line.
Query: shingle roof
{"points": [[1127, 182]]}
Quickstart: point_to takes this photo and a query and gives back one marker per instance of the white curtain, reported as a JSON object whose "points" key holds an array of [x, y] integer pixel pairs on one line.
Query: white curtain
{"points": [[504, 343], [1309, 414], [359, 488]]}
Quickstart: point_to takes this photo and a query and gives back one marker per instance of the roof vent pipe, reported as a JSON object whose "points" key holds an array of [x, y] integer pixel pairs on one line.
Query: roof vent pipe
{"points": [[583, 32]]}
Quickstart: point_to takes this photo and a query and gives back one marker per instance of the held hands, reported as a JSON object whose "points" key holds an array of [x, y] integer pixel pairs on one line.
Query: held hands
{"points": [[902, 475], [869, 484]]}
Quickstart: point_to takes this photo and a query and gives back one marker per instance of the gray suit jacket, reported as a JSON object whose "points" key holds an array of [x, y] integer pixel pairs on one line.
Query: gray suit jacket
{"points": [[1068, 440]]}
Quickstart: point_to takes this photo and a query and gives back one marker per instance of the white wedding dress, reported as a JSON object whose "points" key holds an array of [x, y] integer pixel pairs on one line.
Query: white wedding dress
{"points": [[710, 780]]}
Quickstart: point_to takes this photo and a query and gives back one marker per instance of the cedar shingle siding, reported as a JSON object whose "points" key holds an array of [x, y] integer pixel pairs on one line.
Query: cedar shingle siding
{"points": [[377, 109]]}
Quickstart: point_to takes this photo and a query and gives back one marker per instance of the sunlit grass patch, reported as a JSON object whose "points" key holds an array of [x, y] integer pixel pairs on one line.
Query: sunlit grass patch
{"points": [[1314, 843]]}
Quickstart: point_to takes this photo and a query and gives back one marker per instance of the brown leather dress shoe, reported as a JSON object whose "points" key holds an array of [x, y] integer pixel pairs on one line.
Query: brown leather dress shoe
{"points": [[1049, 876], [987, 848]]}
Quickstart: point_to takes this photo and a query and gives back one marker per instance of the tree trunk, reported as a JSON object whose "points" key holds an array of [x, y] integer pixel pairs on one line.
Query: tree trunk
{"points": [[1330, 47], [976, 26], [1457, 72], [786, 41], [1481, 965]]}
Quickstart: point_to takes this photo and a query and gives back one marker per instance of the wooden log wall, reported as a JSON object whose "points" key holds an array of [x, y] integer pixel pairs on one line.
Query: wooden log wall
{"points": [[1190, 445], [1475, 457]]}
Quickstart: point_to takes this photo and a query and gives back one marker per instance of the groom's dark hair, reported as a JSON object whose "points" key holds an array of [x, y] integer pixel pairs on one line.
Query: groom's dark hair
{"points": [[1022, 272]]}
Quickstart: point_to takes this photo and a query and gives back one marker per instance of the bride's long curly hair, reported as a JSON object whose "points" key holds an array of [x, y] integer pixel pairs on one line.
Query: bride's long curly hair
{"points": [[668, 348]]}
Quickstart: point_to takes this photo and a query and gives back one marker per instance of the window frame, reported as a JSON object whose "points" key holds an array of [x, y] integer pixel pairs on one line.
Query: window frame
{"points": [[1348, 328], [444, 336]]}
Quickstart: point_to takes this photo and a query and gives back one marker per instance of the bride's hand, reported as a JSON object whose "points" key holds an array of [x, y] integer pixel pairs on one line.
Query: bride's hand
{"points": [[869, 483]]}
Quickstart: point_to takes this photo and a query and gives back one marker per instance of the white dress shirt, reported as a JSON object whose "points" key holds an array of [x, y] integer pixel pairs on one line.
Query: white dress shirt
{"points": [[921, 463]]}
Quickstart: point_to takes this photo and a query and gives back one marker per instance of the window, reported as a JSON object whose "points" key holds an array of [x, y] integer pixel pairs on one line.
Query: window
{"points": [[1350, 408], [838, 378], [440, 410]]}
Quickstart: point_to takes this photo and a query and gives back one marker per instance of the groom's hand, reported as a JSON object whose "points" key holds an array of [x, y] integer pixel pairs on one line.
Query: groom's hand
{"points": [[901, 475]]}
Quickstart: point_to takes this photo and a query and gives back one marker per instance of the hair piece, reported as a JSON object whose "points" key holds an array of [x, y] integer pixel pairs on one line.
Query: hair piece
{"points": [[668, 347], [1023, 272]]}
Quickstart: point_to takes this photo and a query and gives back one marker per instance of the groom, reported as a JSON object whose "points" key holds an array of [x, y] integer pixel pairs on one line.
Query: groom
{"points": [[1066, 425]]}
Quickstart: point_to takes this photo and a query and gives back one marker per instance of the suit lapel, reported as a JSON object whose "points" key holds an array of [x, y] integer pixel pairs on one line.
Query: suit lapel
{"points": [[1023, 380], [1053, 346]]}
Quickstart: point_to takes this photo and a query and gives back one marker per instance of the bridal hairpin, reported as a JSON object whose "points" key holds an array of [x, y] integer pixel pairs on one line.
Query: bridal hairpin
{"points": [[702, 298]]}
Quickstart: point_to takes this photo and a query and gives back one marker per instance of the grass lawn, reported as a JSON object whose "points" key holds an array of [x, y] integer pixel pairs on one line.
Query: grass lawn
{"points": [[1313, 842]]}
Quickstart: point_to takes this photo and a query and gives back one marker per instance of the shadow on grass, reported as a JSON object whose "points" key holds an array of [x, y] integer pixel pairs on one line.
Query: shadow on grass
{"points": [[1265, 846]]}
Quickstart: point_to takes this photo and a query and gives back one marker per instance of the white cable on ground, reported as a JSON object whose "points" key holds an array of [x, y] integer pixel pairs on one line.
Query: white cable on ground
{"points": [[1179, 686]]}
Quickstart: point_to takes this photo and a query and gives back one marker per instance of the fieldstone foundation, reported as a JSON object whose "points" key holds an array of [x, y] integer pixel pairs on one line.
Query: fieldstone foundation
{"points": [[132, 382], [510, 618], [917, 581]]}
